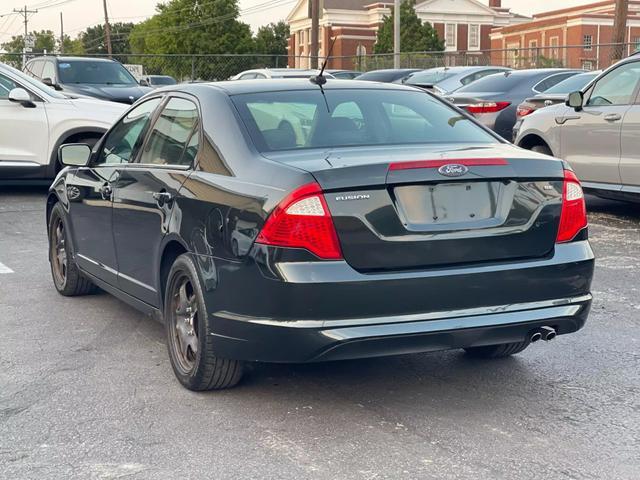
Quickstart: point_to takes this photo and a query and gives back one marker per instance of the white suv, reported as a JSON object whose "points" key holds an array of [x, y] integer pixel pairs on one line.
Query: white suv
{"points": [[35, 120]]}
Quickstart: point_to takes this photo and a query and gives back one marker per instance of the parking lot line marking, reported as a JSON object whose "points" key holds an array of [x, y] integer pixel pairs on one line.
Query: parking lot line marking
{"points": [[4, 268]]}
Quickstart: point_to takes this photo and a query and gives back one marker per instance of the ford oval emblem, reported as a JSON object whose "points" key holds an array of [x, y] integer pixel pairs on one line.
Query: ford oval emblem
{"points": [[453, 170]]}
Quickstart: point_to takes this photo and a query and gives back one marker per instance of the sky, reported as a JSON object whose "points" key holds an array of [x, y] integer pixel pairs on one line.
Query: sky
{"points": [[79, 14]]}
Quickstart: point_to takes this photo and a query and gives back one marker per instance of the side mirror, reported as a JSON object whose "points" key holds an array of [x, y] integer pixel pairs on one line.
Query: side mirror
{"points": [[74, 154], [143, 83], [49, 83], [21, 96], [575, 100]]}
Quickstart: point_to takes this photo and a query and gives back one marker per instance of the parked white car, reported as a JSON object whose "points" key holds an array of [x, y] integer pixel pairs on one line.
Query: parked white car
{"points": [[261, 73], [597, 131], [35, 120]]}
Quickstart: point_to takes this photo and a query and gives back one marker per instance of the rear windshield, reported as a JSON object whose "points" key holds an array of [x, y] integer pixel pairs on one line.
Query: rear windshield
{"points": [[306, 119], [384, 76], [429, 78], [163, 81], [572, 84], [87, 72], [498, 83]]}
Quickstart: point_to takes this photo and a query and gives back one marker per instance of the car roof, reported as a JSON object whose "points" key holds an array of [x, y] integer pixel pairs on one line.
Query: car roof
{"points": [[74, 59], [460, 69], [238, 87]]}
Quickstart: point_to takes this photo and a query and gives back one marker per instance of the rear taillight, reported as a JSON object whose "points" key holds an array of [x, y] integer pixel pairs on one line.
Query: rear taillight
{"points": [[487, 107], [574, 211], [303, 220], [524, 111]]}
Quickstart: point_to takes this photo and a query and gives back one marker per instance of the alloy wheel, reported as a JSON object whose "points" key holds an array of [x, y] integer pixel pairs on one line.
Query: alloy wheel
{"points": [[184, 323], [59, 257]]}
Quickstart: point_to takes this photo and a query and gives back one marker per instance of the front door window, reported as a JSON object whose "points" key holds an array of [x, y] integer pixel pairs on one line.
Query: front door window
{"points": [[125, 139]]}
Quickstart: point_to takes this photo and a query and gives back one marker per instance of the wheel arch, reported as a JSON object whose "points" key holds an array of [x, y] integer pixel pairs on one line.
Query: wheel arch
{"points": [[70, 136], [172, 248], [531, 140]]}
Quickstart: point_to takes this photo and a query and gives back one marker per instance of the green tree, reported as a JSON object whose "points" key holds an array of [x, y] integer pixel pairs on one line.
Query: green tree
{"points": [[189, 27], [415, 36], [272, 39], [71, 47], [93, 39], [45, 41]]}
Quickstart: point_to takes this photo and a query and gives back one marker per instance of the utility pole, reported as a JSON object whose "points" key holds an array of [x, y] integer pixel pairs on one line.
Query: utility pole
{"points": [[107, 28], [396, 34], [25, 15], [619, 30], [61, 34], [315, 27]]}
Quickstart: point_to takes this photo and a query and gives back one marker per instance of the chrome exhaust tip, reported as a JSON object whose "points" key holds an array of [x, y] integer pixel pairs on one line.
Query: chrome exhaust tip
{"points": [[535, 337], [548, 333]]}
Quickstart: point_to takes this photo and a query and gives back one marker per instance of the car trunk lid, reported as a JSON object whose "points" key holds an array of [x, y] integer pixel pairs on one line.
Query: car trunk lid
{"points": [[406, 208]]}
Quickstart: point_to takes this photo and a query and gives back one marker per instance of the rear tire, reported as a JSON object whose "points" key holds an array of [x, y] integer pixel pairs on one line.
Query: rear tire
{"points": [[66, 275], [542, 149], [189, 329], [497, 351]]}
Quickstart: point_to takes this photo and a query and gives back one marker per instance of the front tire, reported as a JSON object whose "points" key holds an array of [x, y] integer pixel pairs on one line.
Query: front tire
{"points": [[65, 272], [542, 149], [189, 338], [497, 351]]}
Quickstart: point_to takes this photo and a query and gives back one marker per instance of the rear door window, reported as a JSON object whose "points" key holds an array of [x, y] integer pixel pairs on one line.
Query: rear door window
{"points": [[497, 83], [34, 68], [174, 138], [552, 81]]}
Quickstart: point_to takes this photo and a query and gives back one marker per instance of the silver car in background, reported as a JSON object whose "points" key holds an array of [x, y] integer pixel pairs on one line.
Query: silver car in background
{"points": [[597, 131]]}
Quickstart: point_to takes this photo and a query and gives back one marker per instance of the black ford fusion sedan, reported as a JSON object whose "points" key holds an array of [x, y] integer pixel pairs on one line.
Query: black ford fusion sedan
{"points": [[279, 221]]}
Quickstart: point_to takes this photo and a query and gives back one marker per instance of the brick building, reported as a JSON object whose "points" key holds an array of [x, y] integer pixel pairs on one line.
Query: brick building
{"points": [[570, 37], [464, 25]]}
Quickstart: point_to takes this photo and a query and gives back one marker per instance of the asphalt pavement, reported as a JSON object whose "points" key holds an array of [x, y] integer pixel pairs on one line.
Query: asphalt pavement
{"points": [[86, 390]]}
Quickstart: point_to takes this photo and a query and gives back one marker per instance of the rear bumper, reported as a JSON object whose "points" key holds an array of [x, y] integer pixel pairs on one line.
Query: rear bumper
{"points": [[305, 341], [315, 311]]}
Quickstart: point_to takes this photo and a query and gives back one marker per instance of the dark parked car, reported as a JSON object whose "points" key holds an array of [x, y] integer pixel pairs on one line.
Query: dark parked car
{"points": [[387, 75], [157, 81], [356, 220], [446, 80], [494, 100], [92, 77]]}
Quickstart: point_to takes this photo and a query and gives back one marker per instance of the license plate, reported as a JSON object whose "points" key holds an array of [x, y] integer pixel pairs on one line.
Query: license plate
{"points": [[447, 203]]}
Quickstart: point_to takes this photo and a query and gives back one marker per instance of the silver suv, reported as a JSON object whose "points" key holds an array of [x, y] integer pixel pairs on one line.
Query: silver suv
{"points": [[597, 131]]}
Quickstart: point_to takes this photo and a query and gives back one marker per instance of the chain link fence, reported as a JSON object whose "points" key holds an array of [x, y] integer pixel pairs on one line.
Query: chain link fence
{"points": [[195, 68]]}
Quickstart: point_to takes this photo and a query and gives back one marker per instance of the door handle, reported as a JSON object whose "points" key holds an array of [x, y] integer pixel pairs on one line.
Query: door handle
{"points": [[162, 198], [565, 119], [106, 191], [612, 117]]}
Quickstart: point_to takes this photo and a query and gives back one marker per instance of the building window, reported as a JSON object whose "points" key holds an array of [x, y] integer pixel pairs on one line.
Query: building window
{"points": [[450, 35], [587, 42], [554, 42], [512, 54], [474, 36], [636, 44], [587, 65], [534, 53]]}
